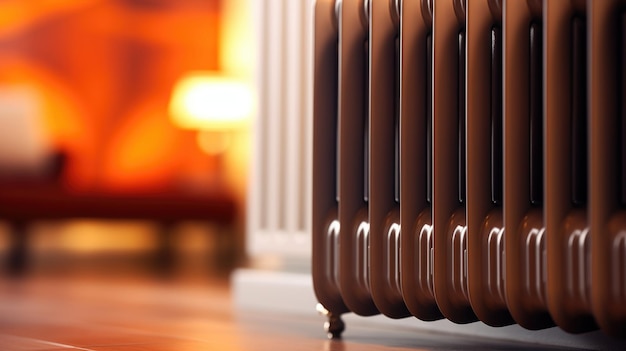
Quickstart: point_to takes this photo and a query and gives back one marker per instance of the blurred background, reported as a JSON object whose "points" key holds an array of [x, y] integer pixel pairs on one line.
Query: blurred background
{"points": [[124, 135]]}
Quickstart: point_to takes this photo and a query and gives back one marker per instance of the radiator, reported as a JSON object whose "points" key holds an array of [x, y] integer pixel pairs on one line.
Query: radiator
{"points": [[469, 161], [278, 216]]}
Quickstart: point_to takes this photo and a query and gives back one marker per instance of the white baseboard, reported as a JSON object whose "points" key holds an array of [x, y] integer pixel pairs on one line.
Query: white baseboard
{"points": [[292, 294]]}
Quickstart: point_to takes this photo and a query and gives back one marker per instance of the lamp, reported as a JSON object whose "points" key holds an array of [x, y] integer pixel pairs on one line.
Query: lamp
{"points": [[213, 104]]}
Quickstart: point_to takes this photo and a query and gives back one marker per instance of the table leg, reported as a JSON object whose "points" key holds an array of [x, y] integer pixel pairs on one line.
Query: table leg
{"points": [[17, 262]]}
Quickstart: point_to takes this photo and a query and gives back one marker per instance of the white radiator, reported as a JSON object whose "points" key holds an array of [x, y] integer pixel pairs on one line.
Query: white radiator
{"points": [[279, 221]]}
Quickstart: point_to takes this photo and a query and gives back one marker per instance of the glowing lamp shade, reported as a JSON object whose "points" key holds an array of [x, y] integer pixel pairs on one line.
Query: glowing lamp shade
{"points": [[208, 102]]}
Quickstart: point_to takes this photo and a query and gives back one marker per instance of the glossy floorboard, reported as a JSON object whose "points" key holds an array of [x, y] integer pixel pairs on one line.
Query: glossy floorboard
{"points": [[63, 313]]}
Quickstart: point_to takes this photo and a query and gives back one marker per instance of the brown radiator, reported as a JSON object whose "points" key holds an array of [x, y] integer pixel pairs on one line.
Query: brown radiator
{"points": [[469, 161]]}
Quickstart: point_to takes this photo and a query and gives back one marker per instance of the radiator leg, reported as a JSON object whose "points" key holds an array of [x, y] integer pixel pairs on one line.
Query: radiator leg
{"points": [[334, 325]]}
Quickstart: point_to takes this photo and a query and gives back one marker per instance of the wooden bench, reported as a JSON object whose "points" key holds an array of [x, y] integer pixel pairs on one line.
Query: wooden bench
{"points": [[24, 203]]}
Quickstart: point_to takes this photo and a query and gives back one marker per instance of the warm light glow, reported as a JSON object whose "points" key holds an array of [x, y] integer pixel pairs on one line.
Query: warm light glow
{"points": [[238, 38], [209, 102], [213, 143]]}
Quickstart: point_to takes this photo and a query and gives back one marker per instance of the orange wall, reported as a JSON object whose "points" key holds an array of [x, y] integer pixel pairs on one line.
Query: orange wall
{"points": [[105, 70]]}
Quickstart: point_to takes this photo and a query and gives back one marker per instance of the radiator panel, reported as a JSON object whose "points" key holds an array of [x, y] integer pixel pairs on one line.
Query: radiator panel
{"points": [[384, 115], [485, 228], [450, 270], [415, 159], [607, 215], [523, 205], [567, 233], [326, 225], [353, 158]]}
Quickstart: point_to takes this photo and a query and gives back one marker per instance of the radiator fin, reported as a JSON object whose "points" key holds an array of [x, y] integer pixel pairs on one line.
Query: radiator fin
{"points": [[607, 215]]}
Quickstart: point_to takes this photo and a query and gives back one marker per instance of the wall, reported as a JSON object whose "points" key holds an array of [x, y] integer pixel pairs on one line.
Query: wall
{"points": [[104, 71]]}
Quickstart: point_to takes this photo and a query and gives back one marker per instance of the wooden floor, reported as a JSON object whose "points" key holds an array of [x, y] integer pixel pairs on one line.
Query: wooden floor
{"points": [[132, 314]]}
